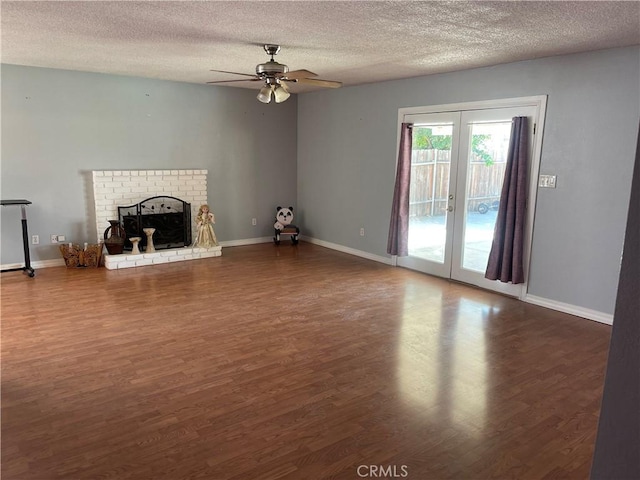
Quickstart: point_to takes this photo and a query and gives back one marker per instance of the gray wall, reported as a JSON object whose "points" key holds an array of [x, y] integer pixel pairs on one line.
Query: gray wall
{"points": [[58, 125], [618, 441], [347, 146]]}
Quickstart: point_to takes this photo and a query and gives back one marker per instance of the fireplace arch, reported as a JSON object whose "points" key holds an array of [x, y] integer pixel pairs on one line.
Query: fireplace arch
{"points": [[170, 216]]}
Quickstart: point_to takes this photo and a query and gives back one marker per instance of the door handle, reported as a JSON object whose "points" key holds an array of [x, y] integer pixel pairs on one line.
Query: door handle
{"points": [[450, 208]]}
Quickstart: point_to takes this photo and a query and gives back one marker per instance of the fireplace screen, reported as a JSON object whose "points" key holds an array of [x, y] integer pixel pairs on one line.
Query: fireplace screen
{"points": [[170, 216]]}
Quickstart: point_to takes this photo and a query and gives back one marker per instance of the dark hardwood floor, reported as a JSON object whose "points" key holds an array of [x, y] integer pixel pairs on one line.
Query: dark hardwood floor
{"points": [[290, 362]]}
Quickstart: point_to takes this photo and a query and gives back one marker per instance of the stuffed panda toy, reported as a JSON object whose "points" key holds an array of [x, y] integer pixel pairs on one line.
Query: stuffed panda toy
{"points": [[283, 226]]}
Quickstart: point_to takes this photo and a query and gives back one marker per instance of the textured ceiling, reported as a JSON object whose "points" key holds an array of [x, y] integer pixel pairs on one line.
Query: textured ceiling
{"points": [[354, 42]]}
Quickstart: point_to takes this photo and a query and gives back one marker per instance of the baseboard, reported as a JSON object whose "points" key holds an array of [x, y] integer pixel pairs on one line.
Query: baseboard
{"points": [[56, 262], [246, 241], [350, 251], [59, 262], [594, 315]]}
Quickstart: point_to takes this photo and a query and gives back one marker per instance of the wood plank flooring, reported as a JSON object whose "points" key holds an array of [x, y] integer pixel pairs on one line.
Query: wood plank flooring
{"points": [[290, 363]]}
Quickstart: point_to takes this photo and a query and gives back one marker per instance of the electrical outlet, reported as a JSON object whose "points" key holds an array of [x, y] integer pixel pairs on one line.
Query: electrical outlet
{"points": [[254, 221], [35, 239], [547, 181], [362, 232], [54, 238]]}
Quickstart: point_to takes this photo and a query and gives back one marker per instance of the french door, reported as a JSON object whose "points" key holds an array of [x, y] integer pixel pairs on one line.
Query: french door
{"points": [[457, 172]]}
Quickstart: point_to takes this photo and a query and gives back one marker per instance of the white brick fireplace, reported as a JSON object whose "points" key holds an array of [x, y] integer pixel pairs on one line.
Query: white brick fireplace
{"points": [[114, 188]]}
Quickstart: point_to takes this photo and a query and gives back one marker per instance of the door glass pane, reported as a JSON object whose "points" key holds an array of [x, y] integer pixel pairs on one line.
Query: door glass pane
{"points": [[430, 167], [485, 175]]}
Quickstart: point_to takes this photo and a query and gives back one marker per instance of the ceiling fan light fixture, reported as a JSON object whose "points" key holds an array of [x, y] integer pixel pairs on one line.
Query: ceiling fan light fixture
{"points": [[280, 93], [274, 75], [265, 94]]}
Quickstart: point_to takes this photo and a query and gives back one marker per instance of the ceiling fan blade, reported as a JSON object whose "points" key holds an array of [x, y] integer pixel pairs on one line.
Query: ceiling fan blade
{"points": [[319, 82], [299, 74], [238, 80], [234, 73]]}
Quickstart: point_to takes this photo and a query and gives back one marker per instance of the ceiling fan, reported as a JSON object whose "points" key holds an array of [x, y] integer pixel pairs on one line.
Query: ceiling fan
{"points": [[276, 76]]}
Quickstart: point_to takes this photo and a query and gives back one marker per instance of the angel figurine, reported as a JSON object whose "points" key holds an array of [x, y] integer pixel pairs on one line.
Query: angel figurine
{"points": [[206, 237]]}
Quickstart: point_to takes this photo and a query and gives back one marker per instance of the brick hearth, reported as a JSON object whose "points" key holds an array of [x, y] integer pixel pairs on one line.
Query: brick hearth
{"points": [[128, 260]]}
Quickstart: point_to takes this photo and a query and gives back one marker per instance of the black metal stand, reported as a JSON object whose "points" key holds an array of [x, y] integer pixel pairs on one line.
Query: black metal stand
{"points": [[25, 237]]}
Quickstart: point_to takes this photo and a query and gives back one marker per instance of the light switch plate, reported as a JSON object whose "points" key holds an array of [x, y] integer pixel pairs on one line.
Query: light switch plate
{"points": [[547, 181]]}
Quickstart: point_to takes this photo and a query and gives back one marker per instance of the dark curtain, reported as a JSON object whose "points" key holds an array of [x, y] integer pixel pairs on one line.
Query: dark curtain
{"points": [[398, 243], [506, 257]]}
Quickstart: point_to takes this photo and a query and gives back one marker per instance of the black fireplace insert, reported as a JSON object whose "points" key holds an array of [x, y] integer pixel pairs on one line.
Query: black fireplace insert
{"points": [[170, 216]]}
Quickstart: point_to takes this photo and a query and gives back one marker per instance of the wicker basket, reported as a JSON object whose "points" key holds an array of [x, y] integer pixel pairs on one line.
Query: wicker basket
{"points": [[75, 256]]}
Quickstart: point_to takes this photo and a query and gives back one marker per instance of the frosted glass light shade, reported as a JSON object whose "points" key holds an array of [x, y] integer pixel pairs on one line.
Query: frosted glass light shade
{"points": [[265, 94], [280, 94]]}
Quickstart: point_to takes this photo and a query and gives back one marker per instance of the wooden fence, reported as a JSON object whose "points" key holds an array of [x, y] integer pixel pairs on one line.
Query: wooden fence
{"points": [[430, 182]]}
